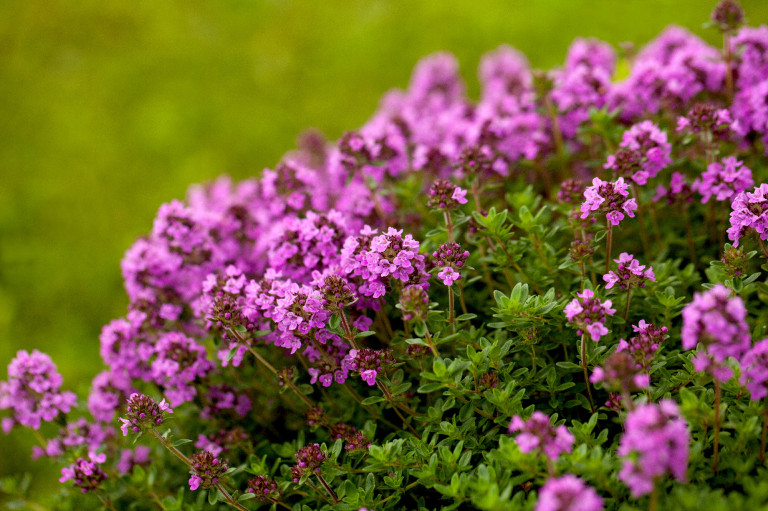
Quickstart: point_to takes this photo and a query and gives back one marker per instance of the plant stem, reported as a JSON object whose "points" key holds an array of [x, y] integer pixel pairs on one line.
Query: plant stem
{"points": [[717, 426], [626, 309], [762, 436], [641, 221], [449, 226], [429, 341], [762, 246], [584, 369], [330, 491], [231, 501], [728, 67], [451, 319], [653, 503], [608, 246], [168, 445], [347, 329]]}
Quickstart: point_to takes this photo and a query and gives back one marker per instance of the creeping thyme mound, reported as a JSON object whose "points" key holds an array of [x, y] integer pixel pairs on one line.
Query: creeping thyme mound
{"points": [[551, 298]]}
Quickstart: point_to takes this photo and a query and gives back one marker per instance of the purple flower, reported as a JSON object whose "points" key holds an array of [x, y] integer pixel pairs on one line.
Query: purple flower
{"points": [[650, 148], [309, 459], [629, 274], [32, 392], [718, 322], [85, 473], [538, 434], [620, 373], [679, 192], [446, 195], [724, 180], [263, 487], [129, 458], [449, 258], [179, 362], [568, 493], [749, 212], [369, 363], [608, 198], [754, 370], [644, 345], [142, 413], [655, 443], [588, 313], [206, 470]]}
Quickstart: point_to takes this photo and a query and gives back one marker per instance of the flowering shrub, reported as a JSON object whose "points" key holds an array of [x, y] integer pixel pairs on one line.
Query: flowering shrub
{"points": [[434, 312]]}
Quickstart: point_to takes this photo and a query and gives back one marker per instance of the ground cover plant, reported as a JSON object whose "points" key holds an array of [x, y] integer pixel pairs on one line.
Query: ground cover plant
{"points": [[551, 298]]}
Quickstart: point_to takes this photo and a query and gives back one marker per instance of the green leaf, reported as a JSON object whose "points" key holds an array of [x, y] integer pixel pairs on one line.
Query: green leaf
{"points": [[372, 400], [246, 496]]}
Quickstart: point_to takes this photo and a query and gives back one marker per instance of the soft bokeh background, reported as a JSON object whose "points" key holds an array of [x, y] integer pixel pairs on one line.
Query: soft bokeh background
{"points": [[108, 109]]}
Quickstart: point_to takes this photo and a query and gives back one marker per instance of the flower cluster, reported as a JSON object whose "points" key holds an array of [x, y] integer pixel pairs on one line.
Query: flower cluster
{"points": [[621, 373], [706, 121], [608, 198], [414, 302], [749, 214], [32, 392], [655, 443], [446, 196], [538, 434], [263, 487], [309, 459], [568, 493], [369, 363], [630, 273], [376, 259], [645, 344], [85, 473], [143, 413], [644, 151], [588, 314], [722, 180], [717, 321], [754, 370], [450, 259], [206, 470]]}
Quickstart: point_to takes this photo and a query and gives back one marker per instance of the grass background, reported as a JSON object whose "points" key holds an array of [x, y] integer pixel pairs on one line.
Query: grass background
{"points": [[109, 109]]}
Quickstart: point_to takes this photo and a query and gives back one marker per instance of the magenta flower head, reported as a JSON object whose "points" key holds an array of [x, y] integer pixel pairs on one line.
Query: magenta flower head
{"points": [[754, 370], [621, 373], [588, 314], [538, 434], [142, 413], [645, 344], [32, 392], [724, 180], [309, 459], [651, 144], [450, 258], [719, 323], [85, 473], [446, 195], [629, 274], [206, 470], [369, 363], [749, 212], [263, 487], [609, 198], [654, 445], [568, 493]]}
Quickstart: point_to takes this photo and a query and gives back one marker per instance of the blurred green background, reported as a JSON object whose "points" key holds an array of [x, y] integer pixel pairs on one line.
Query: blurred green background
{"points": [[111, 108]]}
